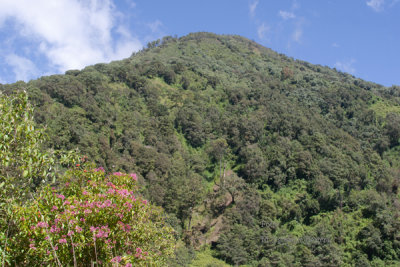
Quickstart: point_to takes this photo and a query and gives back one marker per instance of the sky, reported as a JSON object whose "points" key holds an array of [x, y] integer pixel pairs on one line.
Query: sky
{"points": [[44, 37]]}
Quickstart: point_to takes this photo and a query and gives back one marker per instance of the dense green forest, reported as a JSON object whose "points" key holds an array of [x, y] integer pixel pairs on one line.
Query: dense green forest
{"points": [[258, 159]]}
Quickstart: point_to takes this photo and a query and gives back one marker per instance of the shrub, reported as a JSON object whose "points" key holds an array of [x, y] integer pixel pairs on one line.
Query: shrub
{"points": [[24, 163], [92, 218]]}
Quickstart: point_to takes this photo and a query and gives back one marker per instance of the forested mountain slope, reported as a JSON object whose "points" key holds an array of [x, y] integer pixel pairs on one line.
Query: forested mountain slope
{"points": [[267, 160]]}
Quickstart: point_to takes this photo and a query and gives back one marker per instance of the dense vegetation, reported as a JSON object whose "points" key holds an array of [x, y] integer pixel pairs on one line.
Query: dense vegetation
{"points": [[81, 217], [259, 159]]}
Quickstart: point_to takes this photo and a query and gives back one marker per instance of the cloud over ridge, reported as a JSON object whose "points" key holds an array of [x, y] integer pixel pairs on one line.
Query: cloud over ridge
{"points": [[376, 5], [71, 34]]}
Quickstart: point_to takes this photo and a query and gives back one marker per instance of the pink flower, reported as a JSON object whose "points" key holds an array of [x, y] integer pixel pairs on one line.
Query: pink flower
{"points": [[139, 253], [42, 224], [54, 208], [66, 202], [133, 175], [85, 192], [99, 169], [62, 241], [32, 246], [116, 259], [110, 191], [87, 211], [78, 229], [82, 220], [128, 265], [102, 234], [111, 184], [107, 203], [70, 233], [92, 228], [144, 202], [128, 205], [117, 174], [123, 192], [61, 196], [54, 229], [55, 247]]}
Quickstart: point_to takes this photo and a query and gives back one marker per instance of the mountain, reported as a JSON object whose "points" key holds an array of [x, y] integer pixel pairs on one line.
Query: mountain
{"points": [[258, 158]]}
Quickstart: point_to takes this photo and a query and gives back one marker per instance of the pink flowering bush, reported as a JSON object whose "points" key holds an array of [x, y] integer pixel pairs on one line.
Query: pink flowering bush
{"points": [[93, 218]]}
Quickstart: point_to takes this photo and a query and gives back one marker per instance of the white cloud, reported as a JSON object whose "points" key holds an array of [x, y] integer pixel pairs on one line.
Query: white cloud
{"points": [[297, 21], [346, 66], [262, 30], [131, 3], [253, 7], [295, 5], [297, 34], [286, 15], [71, 33], [376, 5], [155, 26], [298, 30], [335, 45], [22, 67]]}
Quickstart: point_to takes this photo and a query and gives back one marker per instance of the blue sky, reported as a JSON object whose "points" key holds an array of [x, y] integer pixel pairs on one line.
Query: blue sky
{"points": [[43, 37]]}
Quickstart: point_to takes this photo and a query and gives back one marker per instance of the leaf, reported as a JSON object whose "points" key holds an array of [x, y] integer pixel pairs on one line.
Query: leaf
{"points": [[25, 173]]}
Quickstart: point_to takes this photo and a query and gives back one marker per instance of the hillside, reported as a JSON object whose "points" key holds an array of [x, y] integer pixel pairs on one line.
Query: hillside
{"points": [[258, 158]]}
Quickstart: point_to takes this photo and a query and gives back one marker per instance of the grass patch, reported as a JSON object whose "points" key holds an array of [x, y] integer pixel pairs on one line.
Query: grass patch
{"points": [[204, 258]]}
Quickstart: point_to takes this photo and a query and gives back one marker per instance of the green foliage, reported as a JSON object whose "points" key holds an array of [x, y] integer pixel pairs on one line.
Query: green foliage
{"points": [[205, 258], [382, 107], [183, 256], [100, 218], [24, 163]]}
